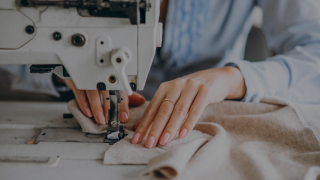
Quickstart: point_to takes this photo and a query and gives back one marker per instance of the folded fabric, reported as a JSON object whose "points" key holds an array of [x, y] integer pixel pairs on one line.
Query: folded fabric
{"points": [[89, 125], [118, 153], [172, 163], [234, 140], [123, 152]]}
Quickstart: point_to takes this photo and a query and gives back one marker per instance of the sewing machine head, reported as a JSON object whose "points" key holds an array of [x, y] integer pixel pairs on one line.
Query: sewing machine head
{"points": [[99, 44]]}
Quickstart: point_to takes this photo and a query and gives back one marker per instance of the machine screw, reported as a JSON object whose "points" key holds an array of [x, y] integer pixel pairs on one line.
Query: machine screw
{"points": [[112, 79], [78, 40], [24, 2], [118, 60], [133, 86], [113, 123], [57, 36], [101, 86], [30, 29]]}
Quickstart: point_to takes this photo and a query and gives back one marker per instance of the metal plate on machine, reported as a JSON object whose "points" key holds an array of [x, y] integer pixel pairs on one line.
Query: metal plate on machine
{"points": [[68, 135], [13, 26]]}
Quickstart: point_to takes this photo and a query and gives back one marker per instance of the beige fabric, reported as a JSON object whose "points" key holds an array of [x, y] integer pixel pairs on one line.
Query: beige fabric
{"points": [[268, 140], [173, 162], [251, 141], [123, 152], [88, 125], [120, 153]]}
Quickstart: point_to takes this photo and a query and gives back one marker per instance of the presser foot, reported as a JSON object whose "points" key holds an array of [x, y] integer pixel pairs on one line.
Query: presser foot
{"points": [[113, 137], [115, 131]]}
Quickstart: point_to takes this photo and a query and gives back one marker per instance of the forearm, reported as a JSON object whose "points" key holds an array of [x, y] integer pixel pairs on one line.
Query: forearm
{"points": [[294, 76], [292, 30]]}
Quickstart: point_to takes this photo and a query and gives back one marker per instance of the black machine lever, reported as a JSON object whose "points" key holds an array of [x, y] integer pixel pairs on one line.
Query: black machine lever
{"points": [[47, 68], [131, 9]]}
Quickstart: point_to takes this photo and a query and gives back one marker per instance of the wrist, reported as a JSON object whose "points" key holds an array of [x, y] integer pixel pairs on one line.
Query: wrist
{"points": [[236, 83]]}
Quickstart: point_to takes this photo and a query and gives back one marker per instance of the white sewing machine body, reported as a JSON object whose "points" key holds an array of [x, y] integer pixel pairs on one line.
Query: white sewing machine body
{"points": [[98, 48], [104, 45]]}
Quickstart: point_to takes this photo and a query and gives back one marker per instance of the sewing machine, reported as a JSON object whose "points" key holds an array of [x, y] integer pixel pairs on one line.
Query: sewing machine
{"points": [[99, 44]]}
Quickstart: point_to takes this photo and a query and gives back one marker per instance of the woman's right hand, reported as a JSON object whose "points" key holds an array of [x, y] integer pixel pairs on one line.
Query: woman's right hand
{"points": [[90, 104]]}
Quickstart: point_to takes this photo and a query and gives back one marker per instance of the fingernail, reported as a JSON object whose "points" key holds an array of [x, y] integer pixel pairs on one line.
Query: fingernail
{"points": [[124, 117], [165, 138], [88, 112], [135, 138], [101, 118], [150, 142], [183, 133]]}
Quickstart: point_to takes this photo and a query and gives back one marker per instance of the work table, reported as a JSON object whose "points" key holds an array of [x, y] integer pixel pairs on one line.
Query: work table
{"points": [[21, 122]]}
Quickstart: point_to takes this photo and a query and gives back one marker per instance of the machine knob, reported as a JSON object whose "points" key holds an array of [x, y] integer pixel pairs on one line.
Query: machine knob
{"points": [[78, 40]]}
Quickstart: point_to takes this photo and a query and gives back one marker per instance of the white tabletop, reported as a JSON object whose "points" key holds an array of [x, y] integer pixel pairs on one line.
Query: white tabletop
{"points": [[23, 121]]}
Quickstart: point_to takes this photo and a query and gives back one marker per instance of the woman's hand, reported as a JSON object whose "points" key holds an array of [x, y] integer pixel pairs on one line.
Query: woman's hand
{"points": [[192, 94], [89, 102]]}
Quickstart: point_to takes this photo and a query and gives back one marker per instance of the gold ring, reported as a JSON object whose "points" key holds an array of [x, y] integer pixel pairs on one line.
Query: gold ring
{"points": [[173, 102]]}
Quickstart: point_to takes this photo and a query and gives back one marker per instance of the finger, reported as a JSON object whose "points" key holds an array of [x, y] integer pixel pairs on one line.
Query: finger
{"points": [[159, 124], [179, 113], [198, 106], [124, 107], [106, 105], [134, 127], [136, 99], [81, 98], [96, 106], [149, 115], [162, 118]]}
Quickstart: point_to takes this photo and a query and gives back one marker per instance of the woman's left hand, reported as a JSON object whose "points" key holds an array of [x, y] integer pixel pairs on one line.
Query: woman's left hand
{"points": [[192, 94]]}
